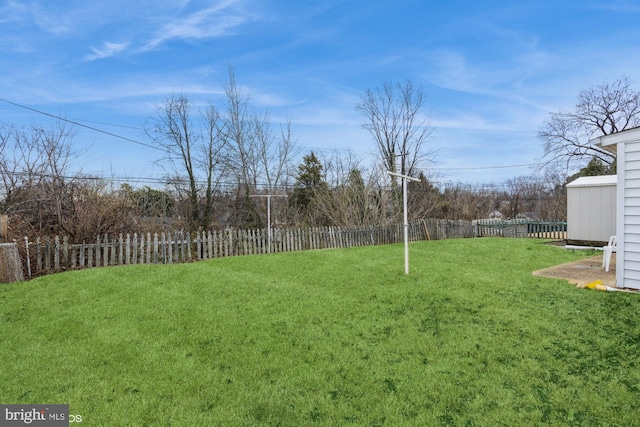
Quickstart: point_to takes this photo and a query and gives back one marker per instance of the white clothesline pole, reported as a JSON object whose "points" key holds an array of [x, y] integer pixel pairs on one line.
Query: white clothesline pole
{"points": [[268, 196], [405, 178]]}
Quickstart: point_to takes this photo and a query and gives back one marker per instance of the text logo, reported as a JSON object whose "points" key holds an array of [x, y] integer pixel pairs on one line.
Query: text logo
{"points": [[34, 415]]}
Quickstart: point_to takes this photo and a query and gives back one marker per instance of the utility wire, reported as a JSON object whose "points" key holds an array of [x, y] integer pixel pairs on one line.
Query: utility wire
{"points": [[84, 126], [145, 180], [487, 167], [77, 123]]}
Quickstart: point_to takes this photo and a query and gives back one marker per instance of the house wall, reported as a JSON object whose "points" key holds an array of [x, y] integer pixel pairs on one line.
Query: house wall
{"points": [[591, 209], [630, 227]]}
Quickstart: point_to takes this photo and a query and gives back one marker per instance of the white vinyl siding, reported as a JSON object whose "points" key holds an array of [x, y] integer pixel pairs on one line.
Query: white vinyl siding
{"points": [[626, 146], [631, 203]]}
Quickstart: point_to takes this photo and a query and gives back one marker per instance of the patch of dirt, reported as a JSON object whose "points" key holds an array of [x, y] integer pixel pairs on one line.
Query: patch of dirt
{"points": [[581, 272]]}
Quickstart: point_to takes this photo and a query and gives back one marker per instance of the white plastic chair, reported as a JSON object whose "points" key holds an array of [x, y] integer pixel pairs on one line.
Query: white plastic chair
{"points": [[607, 251]]}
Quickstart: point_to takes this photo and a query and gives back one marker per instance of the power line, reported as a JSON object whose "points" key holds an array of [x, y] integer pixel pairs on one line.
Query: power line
{"points": [[488, 167], [154, 180], [111, 124], [146, 180], [83, 125]]}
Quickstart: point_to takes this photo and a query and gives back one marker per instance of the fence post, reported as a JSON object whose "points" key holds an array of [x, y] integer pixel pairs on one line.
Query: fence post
{"points": [[65, 252], [47, 253], [302, 239], [148, 248], [173, 253], [214, 244], [120, 250], [113, 251], [134, 258], [98, 249], [163, 248], [98, 244], [56, 253], [74, 257], [244, 236], [276, 241], [169, 249], [127, 257], [142, 249], [38, 255], [189, 248], [105, 250], [175, 248], [89, 255], [155, 248]]}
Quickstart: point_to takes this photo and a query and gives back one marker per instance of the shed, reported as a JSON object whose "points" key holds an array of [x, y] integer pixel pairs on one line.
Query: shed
{"points": [[626, 144], [591, 210]]}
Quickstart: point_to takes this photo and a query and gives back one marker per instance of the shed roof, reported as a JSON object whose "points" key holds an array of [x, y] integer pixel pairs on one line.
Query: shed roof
{"points": [[594, 181]]}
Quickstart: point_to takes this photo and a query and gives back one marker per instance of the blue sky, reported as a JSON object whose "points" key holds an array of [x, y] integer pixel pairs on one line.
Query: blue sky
{"points": [[492, 70]]}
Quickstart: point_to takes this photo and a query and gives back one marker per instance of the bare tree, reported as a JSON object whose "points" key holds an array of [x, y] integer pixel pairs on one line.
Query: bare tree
{"points": [[20, 162], [35, 173], [396, 121], [352, 197], [601, 110], [213, 160], [524, 195], [33, 155], [239, 132], [256, 155], [424, 199], [194, 148], [462, 201], [554, 205], [276, 154], [95, 208]]}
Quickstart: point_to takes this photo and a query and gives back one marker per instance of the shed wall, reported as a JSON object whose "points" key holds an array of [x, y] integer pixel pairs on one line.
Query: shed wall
{"points": [[591, 212]]}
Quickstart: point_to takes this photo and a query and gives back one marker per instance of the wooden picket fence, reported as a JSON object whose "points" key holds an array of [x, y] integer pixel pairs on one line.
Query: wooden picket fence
{"points": [[53, 254]]}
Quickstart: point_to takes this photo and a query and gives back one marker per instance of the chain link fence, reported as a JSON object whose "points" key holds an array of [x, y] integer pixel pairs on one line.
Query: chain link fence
{"points": [[10, 263]]}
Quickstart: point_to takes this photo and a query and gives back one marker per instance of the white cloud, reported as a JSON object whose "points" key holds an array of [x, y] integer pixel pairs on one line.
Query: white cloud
{"points": [[450, 70], [108, 49], [215, 21], [12, 12]]}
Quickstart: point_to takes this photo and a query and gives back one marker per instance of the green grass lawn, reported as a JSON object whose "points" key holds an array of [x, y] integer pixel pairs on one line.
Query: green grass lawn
{"points": [[332, 337]]}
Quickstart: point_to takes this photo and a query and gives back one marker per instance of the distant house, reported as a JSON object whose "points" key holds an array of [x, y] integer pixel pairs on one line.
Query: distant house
{"points": [[495, 215], [626, 144], [528, 216]]}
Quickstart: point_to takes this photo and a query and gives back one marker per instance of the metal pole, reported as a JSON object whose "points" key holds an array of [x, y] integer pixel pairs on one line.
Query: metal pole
{"points": [[26, 246], [406, 226], [405, 178], [269, 220], [268, 196]]}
